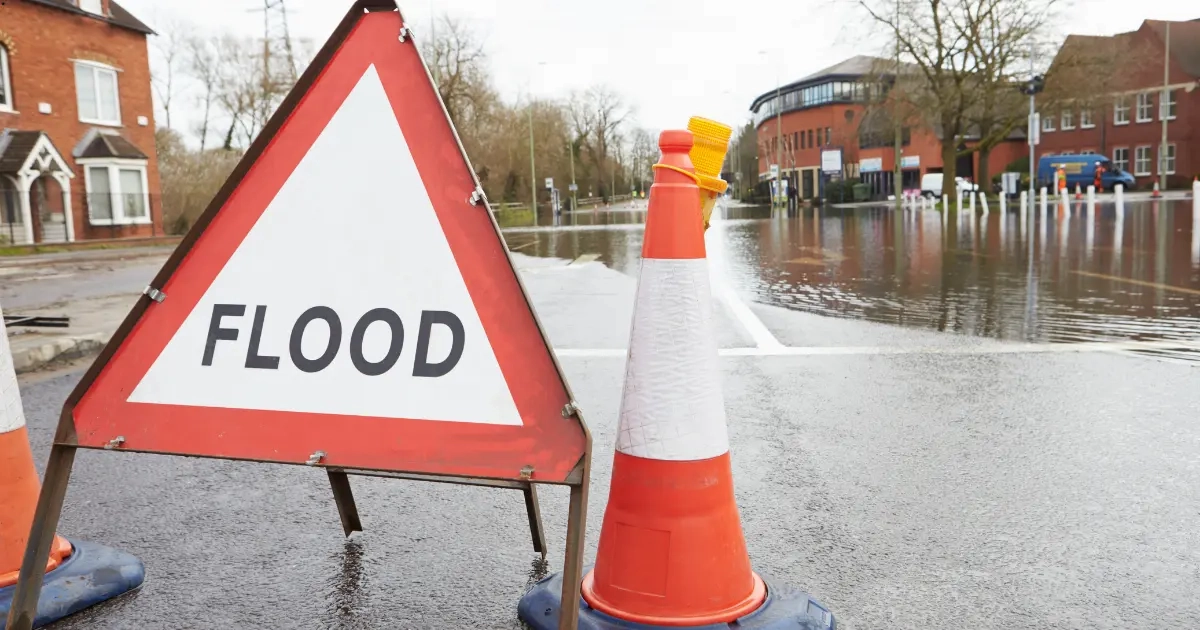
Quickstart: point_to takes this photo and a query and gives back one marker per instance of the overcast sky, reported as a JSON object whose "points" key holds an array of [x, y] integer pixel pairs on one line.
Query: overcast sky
{"points": [[670, 59]]}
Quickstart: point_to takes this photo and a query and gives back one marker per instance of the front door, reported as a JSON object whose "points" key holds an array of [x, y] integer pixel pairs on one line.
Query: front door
{"points": [[49, 218]]}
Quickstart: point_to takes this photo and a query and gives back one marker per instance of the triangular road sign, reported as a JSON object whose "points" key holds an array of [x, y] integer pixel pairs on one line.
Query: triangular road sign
{"points": [[347, 298]]}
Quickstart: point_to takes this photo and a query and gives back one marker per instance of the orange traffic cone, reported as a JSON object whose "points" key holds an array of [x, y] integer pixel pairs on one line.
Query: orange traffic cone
{"points": [[1155, 194], [19, 484], [672, 552], [77, 575], [671, 547], [1078, 192]]}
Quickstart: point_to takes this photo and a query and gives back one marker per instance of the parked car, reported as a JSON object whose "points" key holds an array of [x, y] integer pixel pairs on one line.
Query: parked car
{"points": [[931, 185], [1081, 171]]}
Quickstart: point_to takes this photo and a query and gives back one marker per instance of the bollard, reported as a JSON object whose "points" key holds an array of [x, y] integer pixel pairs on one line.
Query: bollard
{"points": [[1045, 204], [1065, 209], [1091, 201], [957, 199], [983, 202], [1119, 190], [1196, 200], [971, 197]]}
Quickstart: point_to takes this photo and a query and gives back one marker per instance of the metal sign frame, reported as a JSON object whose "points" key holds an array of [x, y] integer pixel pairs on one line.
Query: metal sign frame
{"points": [[66, 440]]}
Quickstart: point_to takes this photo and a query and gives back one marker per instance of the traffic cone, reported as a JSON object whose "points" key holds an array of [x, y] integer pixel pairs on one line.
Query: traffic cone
{"points": [[19, 484], [1155, 194], [77, 575], [672, 552], [1078, 193]]}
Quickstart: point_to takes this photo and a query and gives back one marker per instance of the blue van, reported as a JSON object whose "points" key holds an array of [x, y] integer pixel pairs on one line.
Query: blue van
{"points": [[1081, 171]]}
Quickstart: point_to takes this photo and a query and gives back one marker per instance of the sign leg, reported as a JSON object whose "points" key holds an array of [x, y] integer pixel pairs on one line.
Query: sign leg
{"points": [[344, 498], [37, 551], [572, 579], [534, 510]]}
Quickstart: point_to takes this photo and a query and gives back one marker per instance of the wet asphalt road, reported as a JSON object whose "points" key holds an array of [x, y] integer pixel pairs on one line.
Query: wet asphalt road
{"points": [[951, 486]]}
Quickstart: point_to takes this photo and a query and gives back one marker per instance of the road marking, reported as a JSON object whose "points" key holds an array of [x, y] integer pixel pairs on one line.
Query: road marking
{"points": [[763, 339], [1002, 348], [1144, 283]]}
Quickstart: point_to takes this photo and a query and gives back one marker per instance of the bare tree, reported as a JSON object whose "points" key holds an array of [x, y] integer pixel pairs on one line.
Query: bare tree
{"points": [[170, 46], [966, 55], [203, 64], [597, 115], [458, 63]]}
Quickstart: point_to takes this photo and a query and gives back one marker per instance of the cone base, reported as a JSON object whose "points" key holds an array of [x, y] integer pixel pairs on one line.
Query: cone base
{"points": [[784, 607], [92, 574], [748, 605]]}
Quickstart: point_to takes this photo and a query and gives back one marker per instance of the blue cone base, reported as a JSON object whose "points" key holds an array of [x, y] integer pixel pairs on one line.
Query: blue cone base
{"points": [[92, 574], [785, 607]]}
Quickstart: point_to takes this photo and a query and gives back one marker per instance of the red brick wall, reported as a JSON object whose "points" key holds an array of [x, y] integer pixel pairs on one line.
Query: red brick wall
{"points": [[1183, 131], [45, 40]]}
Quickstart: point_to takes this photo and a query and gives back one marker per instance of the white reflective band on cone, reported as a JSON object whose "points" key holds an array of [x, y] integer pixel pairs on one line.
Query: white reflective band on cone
{"points": [[672, 407], [12, 416]]}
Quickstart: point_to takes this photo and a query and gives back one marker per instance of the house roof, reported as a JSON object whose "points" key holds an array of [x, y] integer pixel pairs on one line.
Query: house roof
{"points": [[15, 147], [1185, 42], [107, 144], [118, 15]]}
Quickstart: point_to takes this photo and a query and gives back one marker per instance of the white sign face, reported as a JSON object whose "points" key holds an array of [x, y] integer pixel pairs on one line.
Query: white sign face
{"points": [[870, 165], [774, 170], [831, 161], [1035, 129], [549, 182], [341, 299], [910, 161]]}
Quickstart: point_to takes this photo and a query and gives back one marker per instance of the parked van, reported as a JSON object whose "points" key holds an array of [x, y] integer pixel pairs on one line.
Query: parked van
{"points": [[931, 185], [1081, 171]]}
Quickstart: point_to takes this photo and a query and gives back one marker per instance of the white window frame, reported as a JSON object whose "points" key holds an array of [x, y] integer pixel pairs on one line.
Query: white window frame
{"points": [[1146, 99], [115, 166], [1121, 105], [1169, 158], [98, 4], [1085, 119], [1136, 160], [1165, 105], [1118, 162], [1047, 123], [6, 81], [97, 68], [1067, 120]]}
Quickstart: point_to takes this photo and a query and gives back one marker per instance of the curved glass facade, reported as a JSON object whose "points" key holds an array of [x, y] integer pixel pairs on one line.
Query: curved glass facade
{"points": [[794, 98]]}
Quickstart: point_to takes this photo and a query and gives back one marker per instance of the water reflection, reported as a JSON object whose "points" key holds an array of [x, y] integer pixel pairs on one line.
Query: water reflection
{"points": [[1050, 275]]}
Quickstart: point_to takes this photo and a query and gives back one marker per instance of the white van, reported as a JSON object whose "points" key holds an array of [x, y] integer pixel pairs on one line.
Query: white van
{"points": [[931, 185]]}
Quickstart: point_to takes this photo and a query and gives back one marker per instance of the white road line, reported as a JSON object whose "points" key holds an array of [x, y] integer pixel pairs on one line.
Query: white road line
{"points": [[1007, 348], [763, 339]]}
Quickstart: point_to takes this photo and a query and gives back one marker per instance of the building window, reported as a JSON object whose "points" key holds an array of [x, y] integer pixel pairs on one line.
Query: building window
{"points": [[96, 89], [1085, 119], [117, 193], [1121, 158], [1168, 165], [828, 135], [1068, 120], [6, 101], [1166, 110], [1141, 161], [91, 6], [1121, 111], [1145, 104], [810, 139], [1047, 123]]}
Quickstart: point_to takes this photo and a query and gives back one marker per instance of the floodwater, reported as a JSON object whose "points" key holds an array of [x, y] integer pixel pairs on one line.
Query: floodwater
{"points": [[1059, 277]]}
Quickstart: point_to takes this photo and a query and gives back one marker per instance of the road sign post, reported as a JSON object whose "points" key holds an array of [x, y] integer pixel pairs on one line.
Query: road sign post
{"points": [[246, 346]]}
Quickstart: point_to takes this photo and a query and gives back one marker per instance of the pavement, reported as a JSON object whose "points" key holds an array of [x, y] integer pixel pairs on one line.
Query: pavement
{"points": [[906, 478]]}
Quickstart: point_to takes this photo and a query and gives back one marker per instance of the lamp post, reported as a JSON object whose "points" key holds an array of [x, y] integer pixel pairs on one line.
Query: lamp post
{"points": [[778, 104]]}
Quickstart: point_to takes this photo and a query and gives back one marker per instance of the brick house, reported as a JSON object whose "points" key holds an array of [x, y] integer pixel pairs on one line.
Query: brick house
{"points": [[1110, 102], [77, 157]]}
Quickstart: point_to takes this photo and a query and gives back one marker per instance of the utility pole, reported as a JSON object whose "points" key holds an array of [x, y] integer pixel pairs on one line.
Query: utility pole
{"points": [[532, 166], [1033, 135], [574, 188], [1162, 110], [897, 175]]}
